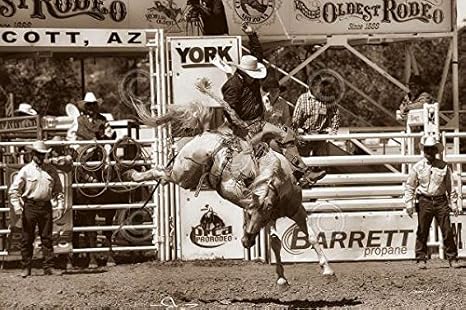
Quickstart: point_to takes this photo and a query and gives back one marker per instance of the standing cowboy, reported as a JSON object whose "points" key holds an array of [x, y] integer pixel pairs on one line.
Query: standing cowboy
{"points": [[430, 180], [31, 194], [90, 125]]}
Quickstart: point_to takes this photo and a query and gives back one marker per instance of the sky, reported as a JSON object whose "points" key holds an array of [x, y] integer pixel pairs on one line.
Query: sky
{"points": [[461, 11]]}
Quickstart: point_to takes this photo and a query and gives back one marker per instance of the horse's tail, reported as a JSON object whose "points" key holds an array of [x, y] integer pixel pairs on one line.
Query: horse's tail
{"points": [[186, 119]]}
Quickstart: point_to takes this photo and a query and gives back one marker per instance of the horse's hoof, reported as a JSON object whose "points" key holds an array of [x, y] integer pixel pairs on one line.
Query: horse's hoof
{"points": [[282, 283], [111, 264], [69, 267], [327, 271]]}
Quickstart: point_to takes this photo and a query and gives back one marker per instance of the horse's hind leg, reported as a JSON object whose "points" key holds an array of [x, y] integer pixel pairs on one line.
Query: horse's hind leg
{"points": [[158, 173], [301, 220], [276, 247]]}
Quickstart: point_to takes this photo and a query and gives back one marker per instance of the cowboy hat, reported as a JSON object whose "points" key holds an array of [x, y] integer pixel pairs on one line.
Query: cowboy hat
{"points": [[40, 147], [252, 67], [26, 108], [431, 141], [88, 98]]}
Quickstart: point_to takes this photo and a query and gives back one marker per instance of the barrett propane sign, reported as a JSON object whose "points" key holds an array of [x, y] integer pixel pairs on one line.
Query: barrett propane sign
{"points": [[352, 236], [277, 19]]}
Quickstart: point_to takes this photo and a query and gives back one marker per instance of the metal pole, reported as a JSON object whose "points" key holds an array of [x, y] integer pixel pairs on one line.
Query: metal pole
{"points": [[155, 215], [169, 209], [455, 88], [83, 78]]}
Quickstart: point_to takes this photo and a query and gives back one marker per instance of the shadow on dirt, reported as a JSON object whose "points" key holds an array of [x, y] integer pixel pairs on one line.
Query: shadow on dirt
{"points": [[299, 304], [84, 271]]}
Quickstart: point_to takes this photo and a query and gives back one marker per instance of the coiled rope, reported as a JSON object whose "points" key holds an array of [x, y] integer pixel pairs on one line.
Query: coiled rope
{"points": [[103, 171]]}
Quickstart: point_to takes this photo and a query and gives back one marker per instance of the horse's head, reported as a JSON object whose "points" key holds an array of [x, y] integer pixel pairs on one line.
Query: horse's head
{"points": [[259, 214]]}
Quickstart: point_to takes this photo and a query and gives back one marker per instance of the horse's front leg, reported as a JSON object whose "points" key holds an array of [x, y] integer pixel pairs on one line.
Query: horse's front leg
{"points": [[301, 220], [276, 244]]}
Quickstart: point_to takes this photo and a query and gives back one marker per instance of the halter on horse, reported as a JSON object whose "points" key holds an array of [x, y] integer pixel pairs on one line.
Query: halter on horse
{"points": [[262, 183]]}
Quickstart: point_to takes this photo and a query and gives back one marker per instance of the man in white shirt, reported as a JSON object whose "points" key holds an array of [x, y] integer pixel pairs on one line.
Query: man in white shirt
{"points": [[430, 180], [31, 192]]}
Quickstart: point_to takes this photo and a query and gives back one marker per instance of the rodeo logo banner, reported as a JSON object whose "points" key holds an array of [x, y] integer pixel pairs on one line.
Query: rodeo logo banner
{"points": [[373, 16], [273, 19]]}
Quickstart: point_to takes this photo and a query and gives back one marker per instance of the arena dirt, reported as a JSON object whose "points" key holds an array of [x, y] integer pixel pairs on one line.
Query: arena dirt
{"points": [[240, 285]]}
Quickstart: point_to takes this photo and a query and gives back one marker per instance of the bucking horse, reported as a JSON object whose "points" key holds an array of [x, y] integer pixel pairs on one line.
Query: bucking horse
{"points": [[257, 179]]}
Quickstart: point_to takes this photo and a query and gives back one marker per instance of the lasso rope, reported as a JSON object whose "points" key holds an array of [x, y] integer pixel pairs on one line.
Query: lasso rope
{"points": [[86, 170], [86, 154]]}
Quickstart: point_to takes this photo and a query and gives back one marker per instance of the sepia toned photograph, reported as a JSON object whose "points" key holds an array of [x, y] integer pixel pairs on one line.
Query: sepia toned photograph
{"points": [[232, 154]]}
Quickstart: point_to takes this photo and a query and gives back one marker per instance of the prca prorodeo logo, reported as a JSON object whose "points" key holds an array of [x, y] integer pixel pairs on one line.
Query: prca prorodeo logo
{"points": [[256, 11], [212, 231]]}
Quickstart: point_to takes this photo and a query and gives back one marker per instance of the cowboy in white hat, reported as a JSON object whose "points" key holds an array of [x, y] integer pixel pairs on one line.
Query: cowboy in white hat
{"points": [[242, 91], [430, 181], [26, 109], [90, 125], [31, 192]]}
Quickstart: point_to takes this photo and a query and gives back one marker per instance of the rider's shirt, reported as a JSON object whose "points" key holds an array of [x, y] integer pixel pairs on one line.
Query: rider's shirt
{"points": [[244, 98]]}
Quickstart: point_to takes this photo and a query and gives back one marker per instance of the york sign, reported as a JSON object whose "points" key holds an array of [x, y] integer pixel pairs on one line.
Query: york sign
{"points": [[195, 56]]}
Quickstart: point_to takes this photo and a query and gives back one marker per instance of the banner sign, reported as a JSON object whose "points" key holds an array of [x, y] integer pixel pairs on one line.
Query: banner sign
{"points": [[211, 227], [459, 227], [20, 123], [355, 236], [85, 38], [191, 60], [277, 19]]}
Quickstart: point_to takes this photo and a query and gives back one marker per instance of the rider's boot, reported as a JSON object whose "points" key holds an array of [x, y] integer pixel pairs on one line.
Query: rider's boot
{"points": [[309, 177], [305, 175]]}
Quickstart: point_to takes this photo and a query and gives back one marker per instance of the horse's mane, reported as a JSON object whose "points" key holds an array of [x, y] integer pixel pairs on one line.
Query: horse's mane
{"points": [[185, 120]]}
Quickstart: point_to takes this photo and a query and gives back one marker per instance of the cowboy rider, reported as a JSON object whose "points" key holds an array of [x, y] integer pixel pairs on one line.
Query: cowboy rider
{"points": [[242, 91]]}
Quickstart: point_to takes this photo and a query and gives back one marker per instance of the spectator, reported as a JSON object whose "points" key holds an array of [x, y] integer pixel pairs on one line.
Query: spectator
{"points": [[25, 109], [90, 125], [417, 96], [208, 15], [314, 116]]}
